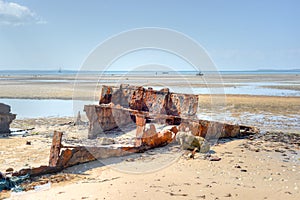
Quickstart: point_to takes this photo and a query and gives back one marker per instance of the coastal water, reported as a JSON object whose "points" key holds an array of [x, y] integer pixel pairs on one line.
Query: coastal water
{"points": [[250, 89], [74, 72], [33, 108]]}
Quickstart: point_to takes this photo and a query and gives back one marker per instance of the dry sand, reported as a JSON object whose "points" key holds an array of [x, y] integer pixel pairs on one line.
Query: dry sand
{"points": [[248, 169], [242, 173]]}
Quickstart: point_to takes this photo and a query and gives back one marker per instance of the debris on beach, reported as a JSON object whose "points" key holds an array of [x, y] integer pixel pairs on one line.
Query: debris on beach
{"points": [[120, 106], [12, 182], [279, 142], [147, 110], [190, 142], [6, 119]]}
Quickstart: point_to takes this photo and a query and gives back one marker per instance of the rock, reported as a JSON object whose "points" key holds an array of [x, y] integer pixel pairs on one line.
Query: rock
{"points": [[4, 109], [28, 143], [106, 141], [185, 139], [228, 195], [9, 170], [205, 147], [188, 141], [129, 159], [5, 118], [214, 158]]}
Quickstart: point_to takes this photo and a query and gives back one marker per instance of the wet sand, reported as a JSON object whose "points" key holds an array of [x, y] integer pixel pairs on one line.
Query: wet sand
{"points": [[249, 168], [259, 110], [62, 86]]}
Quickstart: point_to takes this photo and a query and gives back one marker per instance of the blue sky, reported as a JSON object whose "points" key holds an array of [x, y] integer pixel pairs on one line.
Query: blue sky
{"points": [[238, 35]]}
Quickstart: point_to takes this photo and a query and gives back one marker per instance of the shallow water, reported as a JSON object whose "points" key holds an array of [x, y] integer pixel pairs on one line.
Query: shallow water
{"points": [[32, 108], [265, 121], [248, 90], [254, 89]]}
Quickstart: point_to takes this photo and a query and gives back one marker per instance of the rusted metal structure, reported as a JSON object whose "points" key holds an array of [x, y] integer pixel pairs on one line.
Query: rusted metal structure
{"points": [[120, 106], [62, 156]]}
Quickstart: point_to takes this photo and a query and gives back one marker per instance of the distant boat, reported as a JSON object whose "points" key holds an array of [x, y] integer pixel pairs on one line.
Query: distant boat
{"points": [[199, 74], [59, 70]]}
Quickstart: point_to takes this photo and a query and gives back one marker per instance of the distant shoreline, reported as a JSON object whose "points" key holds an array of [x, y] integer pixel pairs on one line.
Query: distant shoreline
{"points": [[74, 72]]}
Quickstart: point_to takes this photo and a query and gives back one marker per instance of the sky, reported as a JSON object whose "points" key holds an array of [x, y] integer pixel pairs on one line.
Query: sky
{"points": [[236, 34]]}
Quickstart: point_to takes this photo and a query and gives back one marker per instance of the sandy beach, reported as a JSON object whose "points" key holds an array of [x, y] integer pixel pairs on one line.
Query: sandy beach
{"points": [[265, 166], [143, 100]]}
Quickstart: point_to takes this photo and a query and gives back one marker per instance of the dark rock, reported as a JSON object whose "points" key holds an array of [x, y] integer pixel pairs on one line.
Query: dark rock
{"points": [[4, 109], [228, 195], [5, 119], [9, 170], [214, 159]]}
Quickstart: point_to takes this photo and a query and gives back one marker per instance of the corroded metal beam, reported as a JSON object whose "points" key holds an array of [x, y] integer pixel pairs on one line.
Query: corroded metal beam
{"points": [[55, 148]]}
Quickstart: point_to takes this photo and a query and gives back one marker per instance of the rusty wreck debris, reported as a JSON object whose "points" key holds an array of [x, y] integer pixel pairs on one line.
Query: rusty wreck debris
{"points": [[62, 157], [119, 106], [145, 108], [6, 119]]}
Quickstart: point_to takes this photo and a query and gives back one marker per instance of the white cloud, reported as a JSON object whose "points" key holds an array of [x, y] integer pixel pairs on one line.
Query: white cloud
{"points": [[16, 14]]}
